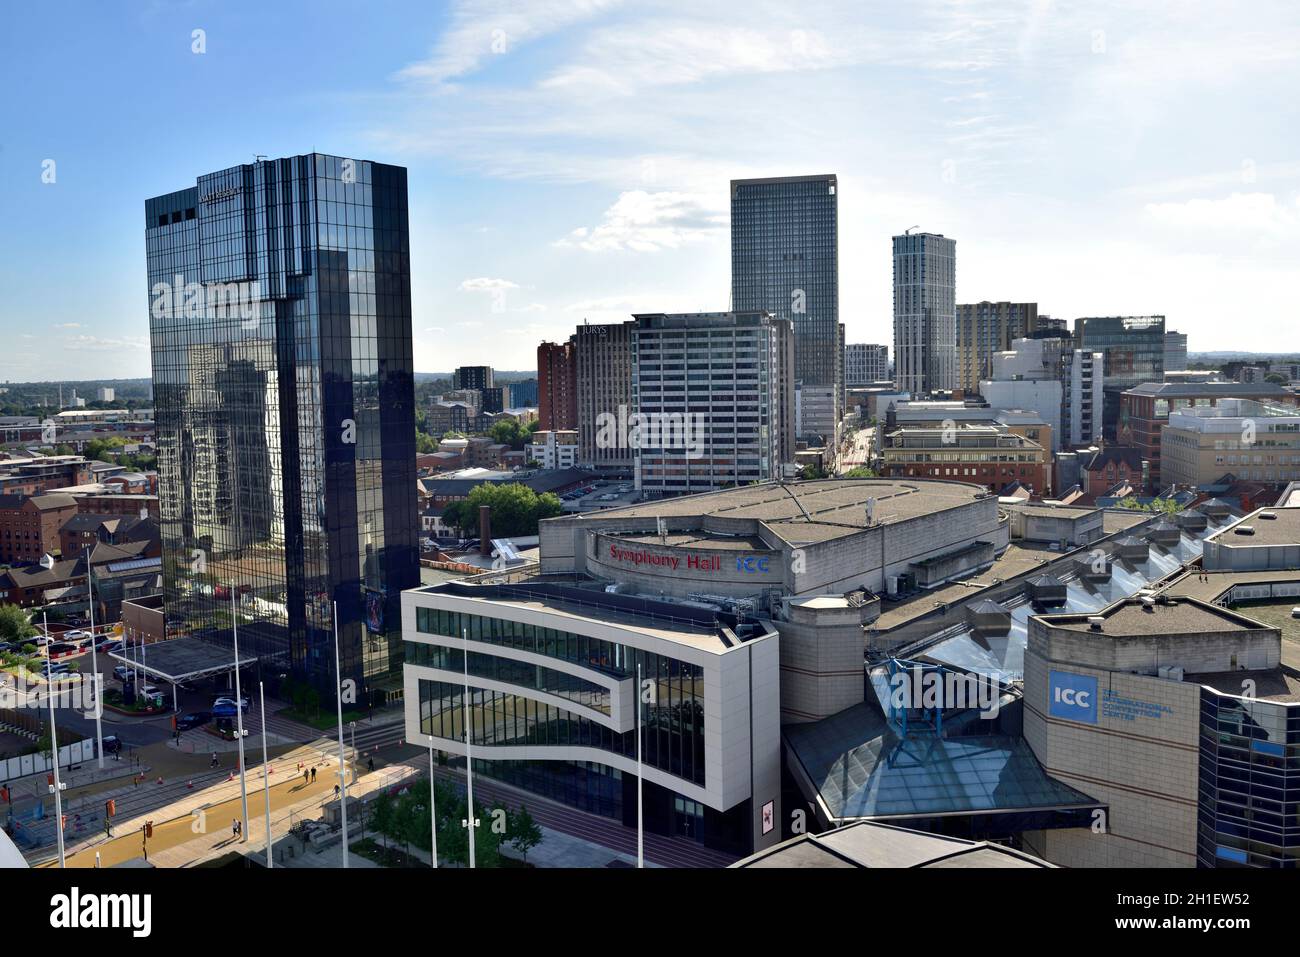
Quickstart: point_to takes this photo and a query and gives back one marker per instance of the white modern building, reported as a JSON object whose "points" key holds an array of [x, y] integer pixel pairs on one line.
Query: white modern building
{"points": [[555, 449], [1024, 374], [714, 400]]}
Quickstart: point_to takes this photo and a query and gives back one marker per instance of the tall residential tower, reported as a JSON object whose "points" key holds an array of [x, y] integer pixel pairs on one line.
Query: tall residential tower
{"points": [[925, 327]]}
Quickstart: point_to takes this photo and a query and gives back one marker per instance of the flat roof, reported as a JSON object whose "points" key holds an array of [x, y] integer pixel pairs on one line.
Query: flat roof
{"points": [[180, 659], [1284, 529], [683, 631], [865, 844], [1130, 618], [1055, 511], [1271, 684], [835, 507]]}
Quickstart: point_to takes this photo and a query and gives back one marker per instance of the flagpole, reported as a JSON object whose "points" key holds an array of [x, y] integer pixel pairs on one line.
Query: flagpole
{"points": [[640, 833], [469, 770], [54, 743], [239, 716], [266, 776], [94, 664], [433, 814], [338, 697]]}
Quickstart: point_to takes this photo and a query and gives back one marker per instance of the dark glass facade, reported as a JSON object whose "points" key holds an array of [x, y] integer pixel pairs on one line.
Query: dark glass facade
{"points": [[785, 260], [1249, 785], [1135, 353], [280, 324]]}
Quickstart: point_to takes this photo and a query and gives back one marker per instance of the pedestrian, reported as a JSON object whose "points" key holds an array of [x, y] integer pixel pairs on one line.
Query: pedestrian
{"points": [[336, 792], [370, 765], [313, 775], [306, 776], [214, 762], [234, 827]]}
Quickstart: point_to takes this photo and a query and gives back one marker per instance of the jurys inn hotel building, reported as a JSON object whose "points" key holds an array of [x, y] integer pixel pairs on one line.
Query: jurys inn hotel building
{"points": [[750, 636]]}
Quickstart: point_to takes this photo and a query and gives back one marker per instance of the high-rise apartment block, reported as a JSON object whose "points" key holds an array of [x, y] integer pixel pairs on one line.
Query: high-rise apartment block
{"points": [[984, 328], [785, 261], [472, 377], [925, 301], [713, 396], [557, 387], [865, 363], [283, 388]]}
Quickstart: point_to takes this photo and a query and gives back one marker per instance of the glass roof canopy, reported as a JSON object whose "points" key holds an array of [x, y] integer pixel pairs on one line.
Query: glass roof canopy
{"points": [[861, 768], [1003, 656]]}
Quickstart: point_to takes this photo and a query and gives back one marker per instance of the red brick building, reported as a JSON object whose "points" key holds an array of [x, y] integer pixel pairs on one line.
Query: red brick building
{"points": [[1108, 467], [557, 386], [29, 525]]}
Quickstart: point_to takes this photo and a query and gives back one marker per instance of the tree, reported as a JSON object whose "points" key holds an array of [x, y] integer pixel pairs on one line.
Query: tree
{"points": [[383, 816], [525, 834], [516, 509], [424, 443], [861, 472], [14, 624]]}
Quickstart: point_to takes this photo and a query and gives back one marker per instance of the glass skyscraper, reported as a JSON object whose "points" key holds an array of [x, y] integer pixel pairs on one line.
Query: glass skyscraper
{"points": [[280, 323], [785, 260]]}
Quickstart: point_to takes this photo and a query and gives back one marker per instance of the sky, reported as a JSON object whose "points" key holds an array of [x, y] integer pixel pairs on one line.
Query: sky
{"points": [[570, 160]]}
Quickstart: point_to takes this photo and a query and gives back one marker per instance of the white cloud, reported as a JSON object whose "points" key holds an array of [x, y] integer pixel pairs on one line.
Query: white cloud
{"points": [[98, 344], [1258, 213], [484, 284], [67, 325], [483, 29], [649, 222]]}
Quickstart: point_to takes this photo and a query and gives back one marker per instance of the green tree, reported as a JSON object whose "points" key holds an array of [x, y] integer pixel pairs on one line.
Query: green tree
{"points": [[425, 443], [14, 624], [516, 509], [861, 472], [383, 815], [524, 832]]}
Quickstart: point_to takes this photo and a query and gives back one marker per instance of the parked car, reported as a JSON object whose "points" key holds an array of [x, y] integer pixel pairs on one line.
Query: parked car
{"points": [[112, 744], [225, 707], [106, 645], [121, 672], [192, 720], [62, 648], [77, 635]]}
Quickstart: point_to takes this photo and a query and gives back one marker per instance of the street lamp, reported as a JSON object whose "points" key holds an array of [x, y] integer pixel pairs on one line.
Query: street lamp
{"points": [[338, 697], [239, 716], [57, 787]]}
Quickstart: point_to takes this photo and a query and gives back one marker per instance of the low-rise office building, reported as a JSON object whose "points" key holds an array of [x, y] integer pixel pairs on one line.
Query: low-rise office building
{"points": [[991, 455], [1250, 440], [1268, 538]]}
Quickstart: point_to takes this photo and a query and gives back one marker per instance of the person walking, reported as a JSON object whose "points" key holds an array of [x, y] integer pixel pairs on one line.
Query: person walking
{"points": [[313, 775], [306, 777], [370, 765], [234, 828], [214, 761]]}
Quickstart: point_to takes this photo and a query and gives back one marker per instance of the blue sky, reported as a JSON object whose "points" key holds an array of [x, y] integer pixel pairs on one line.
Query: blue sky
{"points": [[570, 160]]}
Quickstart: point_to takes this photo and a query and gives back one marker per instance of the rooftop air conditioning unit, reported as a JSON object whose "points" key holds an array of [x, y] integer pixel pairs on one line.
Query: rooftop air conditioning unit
{"points": [[1245, 529], [1270, 516], [1095, 622], [1148, 602]]}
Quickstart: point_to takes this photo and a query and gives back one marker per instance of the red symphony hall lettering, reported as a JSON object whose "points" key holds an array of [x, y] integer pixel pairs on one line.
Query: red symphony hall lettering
{"points": [[702, 563]]}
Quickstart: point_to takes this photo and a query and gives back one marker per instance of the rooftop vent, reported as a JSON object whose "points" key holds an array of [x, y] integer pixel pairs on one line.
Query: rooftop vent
{"points": [[1269, 516], [1095, 622], [1149, 602], [1244, 530]]}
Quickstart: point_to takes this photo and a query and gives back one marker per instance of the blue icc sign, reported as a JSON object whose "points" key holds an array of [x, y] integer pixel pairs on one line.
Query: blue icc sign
{"points": [[1073, 697]]}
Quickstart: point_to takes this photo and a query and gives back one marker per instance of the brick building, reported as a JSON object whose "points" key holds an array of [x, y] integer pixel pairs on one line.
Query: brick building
{"points": [[29, 525]]}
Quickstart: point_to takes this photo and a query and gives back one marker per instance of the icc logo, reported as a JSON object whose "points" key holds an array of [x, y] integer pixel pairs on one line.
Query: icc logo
{"points": [[1074, 697], [749, 564]]}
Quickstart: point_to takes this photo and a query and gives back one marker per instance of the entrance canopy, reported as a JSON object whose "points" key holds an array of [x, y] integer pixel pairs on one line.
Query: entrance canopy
{"points": [[182, 659]]}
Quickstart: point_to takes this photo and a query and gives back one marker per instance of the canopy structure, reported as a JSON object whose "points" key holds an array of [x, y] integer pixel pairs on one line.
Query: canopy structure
{"points": [[181, 659]]}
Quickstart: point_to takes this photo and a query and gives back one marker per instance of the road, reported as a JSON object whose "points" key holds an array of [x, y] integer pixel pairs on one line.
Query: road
{"points": [[859, 452]]}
